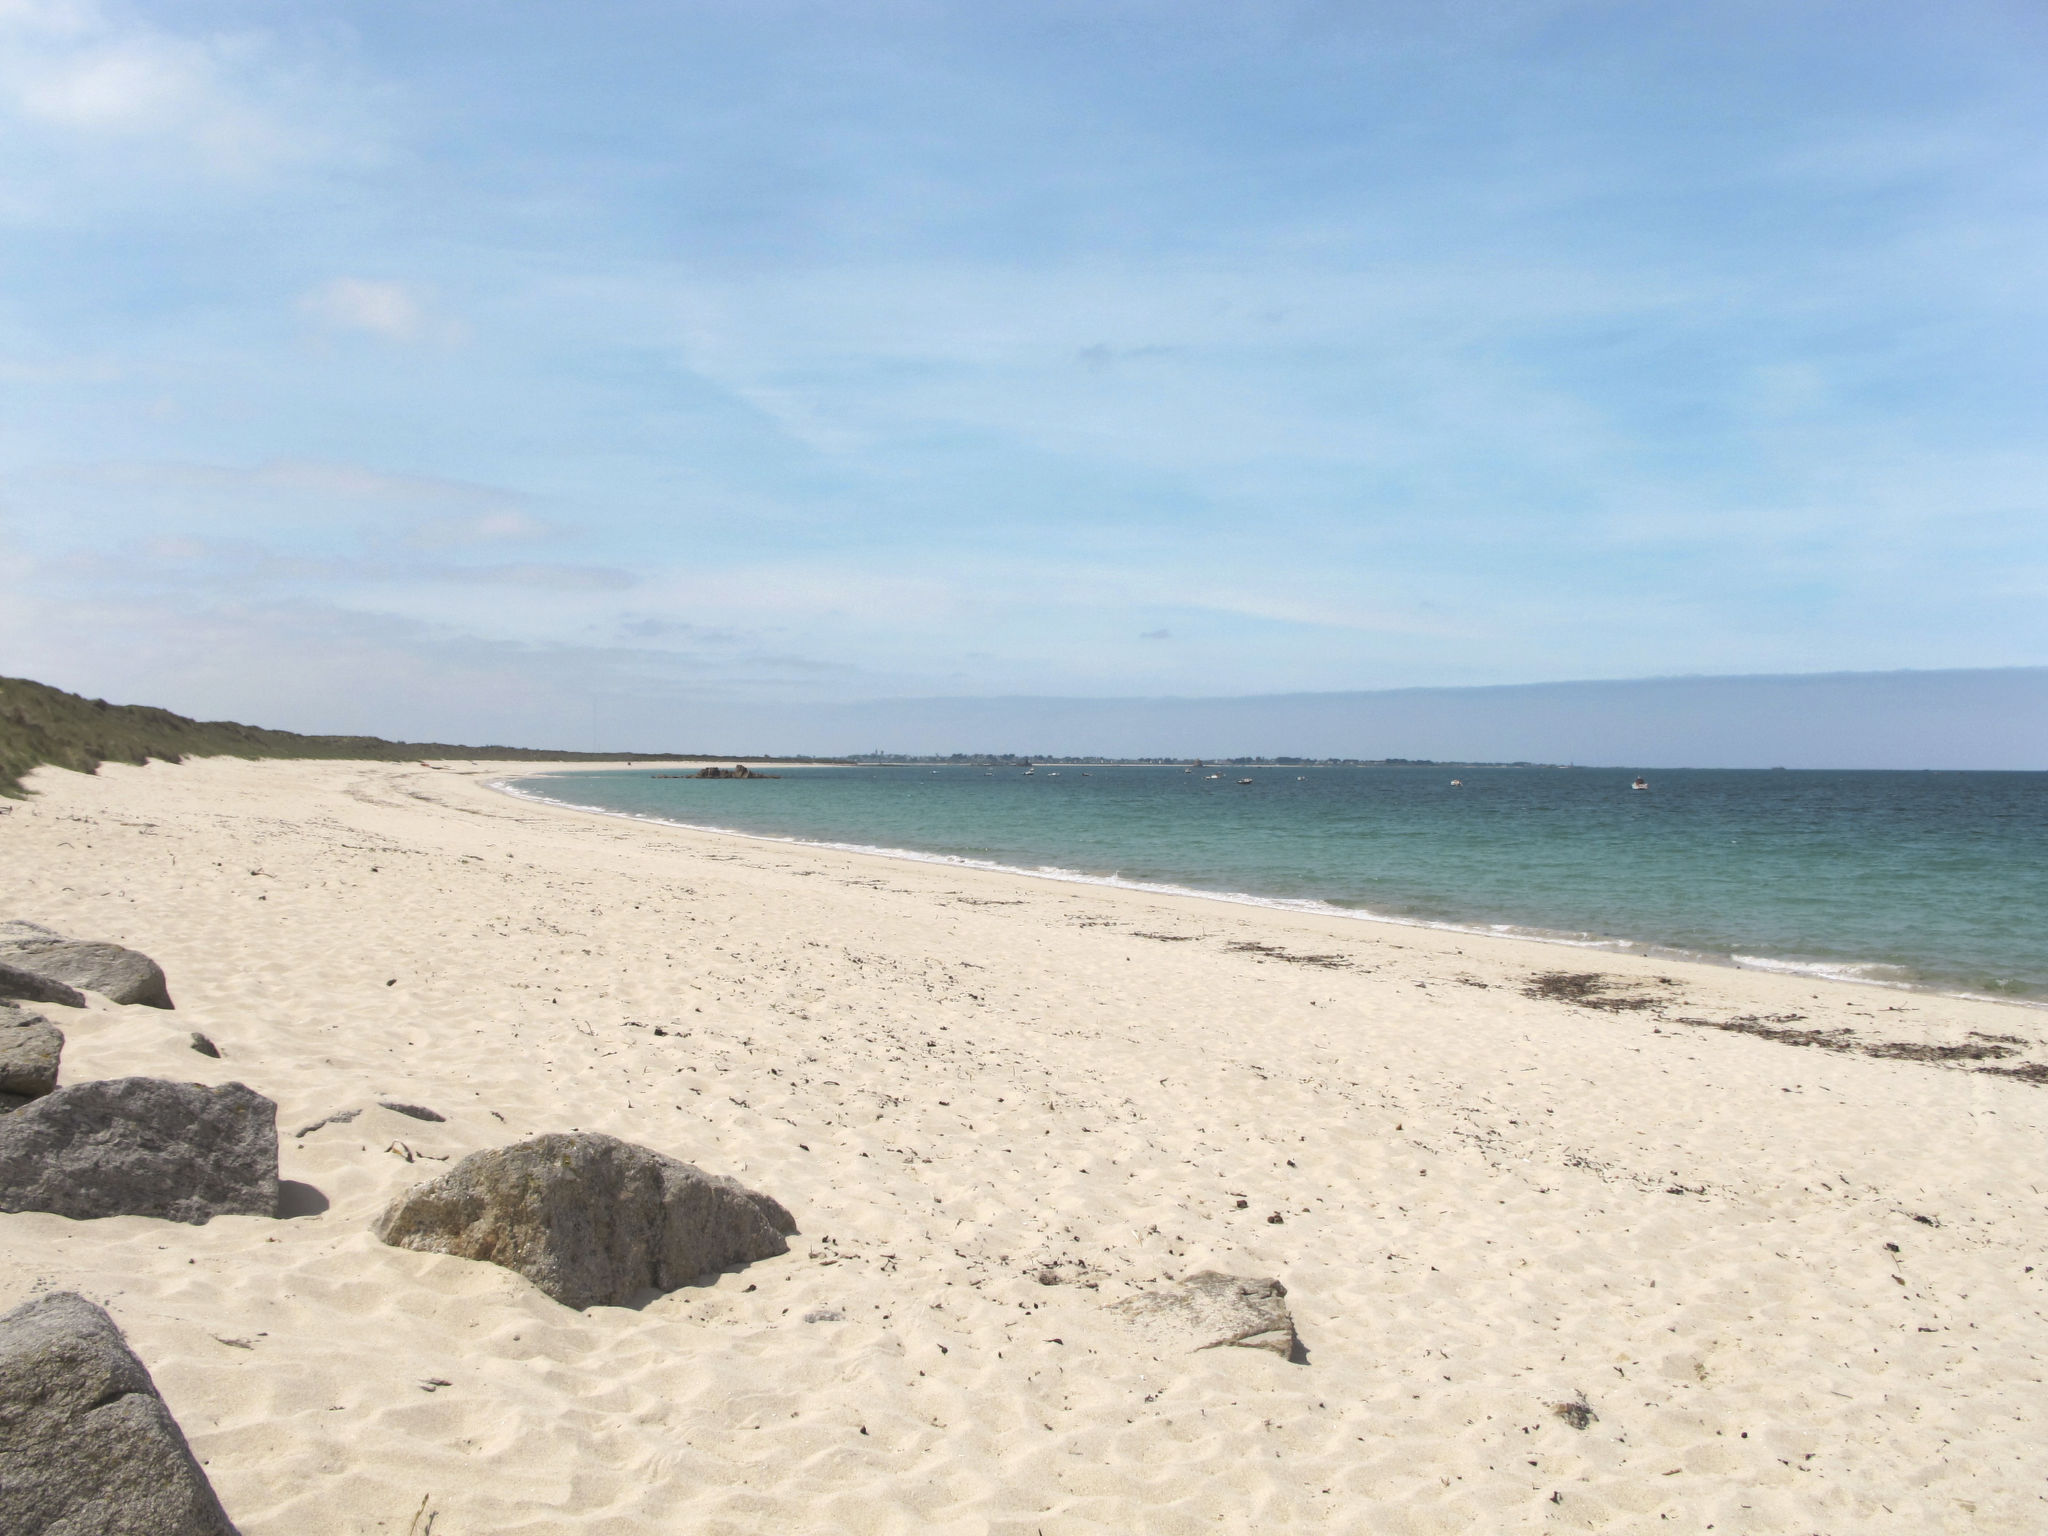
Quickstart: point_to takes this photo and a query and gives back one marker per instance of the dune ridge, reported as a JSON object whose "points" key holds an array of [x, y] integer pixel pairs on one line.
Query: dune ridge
{"points": [[1782, 1286]]}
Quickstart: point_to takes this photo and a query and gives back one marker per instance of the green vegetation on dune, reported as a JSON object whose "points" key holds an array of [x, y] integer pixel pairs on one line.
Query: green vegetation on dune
{"points": [[44, 725]]}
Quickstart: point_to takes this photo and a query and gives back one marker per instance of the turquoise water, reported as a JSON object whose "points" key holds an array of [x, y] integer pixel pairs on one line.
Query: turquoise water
{"points": [[1922, 879]]}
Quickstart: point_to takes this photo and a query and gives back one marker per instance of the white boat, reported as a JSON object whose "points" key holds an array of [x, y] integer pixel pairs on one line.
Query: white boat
{"points": [[1640, 783], [1244, 781]]}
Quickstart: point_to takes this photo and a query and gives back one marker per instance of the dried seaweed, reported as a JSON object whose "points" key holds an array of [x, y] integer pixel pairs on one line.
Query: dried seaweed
{"points": [[1771, 1027], [1578, 1412], [1589, 989], [2026, 1072], [1913, 1050], [1275, 952]]}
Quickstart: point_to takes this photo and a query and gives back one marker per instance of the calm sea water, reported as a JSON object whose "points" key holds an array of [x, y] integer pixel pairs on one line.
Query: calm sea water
{"points": [[1922, 879]]}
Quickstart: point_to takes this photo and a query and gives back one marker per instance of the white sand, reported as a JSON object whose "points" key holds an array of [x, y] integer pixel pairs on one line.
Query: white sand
{"points": [[954, 1079]]}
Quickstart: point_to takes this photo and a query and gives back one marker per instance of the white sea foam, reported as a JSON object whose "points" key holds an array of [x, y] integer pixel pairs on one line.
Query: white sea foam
{"points": [[1831, 970], [1874, 975]]}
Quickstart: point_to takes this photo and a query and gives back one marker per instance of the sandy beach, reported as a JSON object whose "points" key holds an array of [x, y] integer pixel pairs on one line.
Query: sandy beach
{"points": [[1799, 1288]]}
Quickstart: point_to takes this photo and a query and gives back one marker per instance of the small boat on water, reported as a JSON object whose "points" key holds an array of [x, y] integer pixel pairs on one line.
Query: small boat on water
{"points": [[1214, 775], [1457, 783], [1244, 781], [1640, 783]]}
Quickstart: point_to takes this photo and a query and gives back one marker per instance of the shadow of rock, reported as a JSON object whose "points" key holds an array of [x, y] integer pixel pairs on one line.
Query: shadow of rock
{"points": [[296, 1199]]}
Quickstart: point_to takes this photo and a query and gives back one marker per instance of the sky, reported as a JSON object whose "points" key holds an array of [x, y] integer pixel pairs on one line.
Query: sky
{"points": [[590, 374]]}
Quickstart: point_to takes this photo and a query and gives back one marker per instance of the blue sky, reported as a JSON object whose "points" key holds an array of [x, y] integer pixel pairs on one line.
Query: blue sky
{"points": [[484, 371]]}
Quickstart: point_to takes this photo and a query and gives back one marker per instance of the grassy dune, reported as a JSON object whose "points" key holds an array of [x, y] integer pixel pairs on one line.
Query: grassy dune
{"points": [[40, 724]]}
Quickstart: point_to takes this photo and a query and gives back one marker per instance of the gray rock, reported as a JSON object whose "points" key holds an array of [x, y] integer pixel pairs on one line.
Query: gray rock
{"points": [[87, 1447], [34, 987], [588, 1218], [122, 975], [1210, 1311], [30, 1047], [205, 1046], [141, 1146]]}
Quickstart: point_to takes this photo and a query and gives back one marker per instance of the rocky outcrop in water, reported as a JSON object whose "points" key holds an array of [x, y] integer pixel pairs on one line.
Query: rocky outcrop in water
{"points": [[87, 1447], [591, 1220]]}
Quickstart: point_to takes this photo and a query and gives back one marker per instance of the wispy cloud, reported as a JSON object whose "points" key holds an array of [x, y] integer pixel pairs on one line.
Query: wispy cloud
{"points": [[386, 309], [541, 577], [225, 100], [430, 511], [389, 310]]}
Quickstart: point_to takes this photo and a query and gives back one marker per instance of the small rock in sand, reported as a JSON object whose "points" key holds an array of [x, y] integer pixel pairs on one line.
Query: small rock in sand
{"points": [[1209, 1310], [413, 1111], [30, 1047], [121, 975], [141, 1146], [86, 1444], [339, 1117], [590, 1219], [204, 1046]]}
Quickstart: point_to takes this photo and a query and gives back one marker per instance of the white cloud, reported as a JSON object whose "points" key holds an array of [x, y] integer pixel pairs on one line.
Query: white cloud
{"points": [[391, 310], [435, 511], [81, 79], [134, 86]]}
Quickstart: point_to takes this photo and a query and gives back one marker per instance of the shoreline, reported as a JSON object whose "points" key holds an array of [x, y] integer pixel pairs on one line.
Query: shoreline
{"points": [[1839, 972], [1776, 1234]]}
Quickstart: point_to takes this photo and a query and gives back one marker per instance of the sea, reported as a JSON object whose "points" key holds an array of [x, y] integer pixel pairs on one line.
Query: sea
{"points": [[1933, 881]]}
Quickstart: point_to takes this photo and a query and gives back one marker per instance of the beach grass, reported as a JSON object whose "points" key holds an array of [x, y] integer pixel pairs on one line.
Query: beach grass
{"points": [[41, 725]]}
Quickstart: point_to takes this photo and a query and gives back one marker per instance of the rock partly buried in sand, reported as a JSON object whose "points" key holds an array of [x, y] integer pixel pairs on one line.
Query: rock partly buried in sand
{"points": [[141, 1146], [588, 1218], [1209, 1311], [122, 975], [86, 1444], [30, 1048], [31, 987]]}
